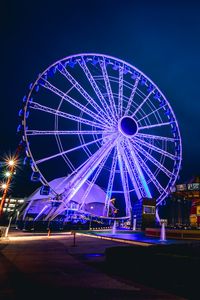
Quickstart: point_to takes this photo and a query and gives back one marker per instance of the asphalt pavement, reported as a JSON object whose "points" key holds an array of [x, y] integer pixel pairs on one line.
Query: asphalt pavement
{"points": [[36, 266]]}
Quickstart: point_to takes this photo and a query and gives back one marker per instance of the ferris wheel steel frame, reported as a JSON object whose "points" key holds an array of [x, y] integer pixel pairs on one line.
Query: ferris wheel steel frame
{"points": [[126, 118]]}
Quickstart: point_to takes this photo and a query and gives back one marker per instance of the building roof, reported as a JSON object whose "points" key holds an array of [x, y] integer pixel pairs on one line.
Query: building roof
{"points": [[59, 185]]}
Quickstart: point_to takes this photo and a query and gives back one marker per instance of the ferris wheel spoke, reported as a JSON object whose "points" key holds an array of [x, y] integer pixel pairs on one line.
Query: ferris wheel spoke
{"points": [[101, 152], [60, 147], [124, 179], [108, 88], [130, 100], [69, 163], [62, 95], [126, 193], [66, 132], [151, 113], [92, 182], [83, 92], [83, 175], [150, 174], [37, 106], [68, 151], [74, 172], [142, 103], [156, 137], [161, 151], [110, 184], [107, 111], [153, 160], [120, 96], [154, 125]]}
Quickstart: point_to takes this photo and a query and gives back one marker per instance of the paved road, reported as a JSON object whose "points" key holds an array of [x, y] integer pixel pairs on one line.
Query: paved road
{"points": [[51, 268]]}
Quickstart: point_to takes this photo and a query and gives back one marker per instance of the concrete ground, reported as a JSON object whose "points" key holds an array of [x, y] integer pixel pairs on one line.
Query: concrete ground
{"points": [[41, 267]]}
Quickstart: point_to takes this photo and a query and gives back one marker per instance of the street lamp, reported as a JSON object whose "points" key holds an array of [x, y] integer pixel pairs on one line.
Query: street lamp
{"points": [[3, 186], [11, 162], [11, 165], [7, 174]]}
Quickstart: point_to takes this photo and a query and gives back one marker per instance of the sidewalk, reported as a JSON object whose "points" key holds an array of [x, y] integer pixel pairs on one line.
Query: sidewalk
{"points": [[52, 268]]}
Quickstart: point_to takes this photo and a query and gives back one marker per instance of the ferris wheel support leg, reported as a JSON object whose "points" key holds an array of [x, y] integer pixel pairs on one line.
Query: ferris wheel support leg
{"points": [[131, 174], [135, 175], [90, 185], [125, 185], [51, 211], [27, 209], [139, 172], [110, 185], [106, 210], [39, 214], [80, 178]]}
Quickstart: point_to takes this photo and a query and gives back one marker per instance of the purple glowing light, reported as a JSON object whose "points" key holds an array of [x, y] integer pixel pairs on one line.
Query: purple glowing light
{"points": [[108, 114]]}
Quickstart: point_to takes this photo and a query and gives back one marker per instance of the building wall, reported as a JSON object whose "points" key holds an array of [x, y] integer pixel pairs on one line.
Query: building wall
{"points": [[176, 210], [12, 204]]}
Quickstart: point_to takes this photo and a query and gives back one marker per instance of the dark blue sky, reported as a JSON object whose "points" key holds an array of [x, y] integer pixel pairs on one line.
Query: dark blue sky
{"points": [[161, 39]]}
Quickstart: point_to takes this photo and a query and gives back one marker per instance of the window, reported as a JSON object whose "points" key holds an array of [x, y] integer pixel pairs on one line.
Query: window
{"points": [[148, 209]]}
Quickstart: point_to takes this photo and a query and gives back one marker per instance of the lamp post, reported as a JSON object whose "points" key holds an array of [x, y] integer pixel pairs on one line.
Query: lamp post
{"points": [[90, 223], [11, 164], [8, 227]]}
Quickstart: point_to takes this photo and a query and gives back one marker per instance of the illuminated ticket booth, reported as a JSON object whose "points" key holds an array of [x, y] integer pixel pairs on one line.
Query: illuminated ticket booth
{"points": [[145, 213], [148, 213]]}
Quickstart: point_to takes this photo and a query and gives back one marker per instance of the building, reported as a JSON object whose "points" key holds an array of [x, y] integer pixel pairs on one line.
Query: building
{"points": [[12, 205], [182, 207], [40, 205]]}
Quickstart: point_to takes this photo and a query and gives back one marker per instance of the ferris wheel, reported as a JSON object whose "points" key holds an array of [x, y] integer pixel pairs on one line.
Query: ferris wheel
{"points": [[97, 119]]}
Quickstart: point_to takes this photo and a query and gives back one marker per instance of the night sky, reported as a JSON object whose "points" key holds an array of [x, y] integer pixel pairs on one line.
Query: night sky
{"points": [[161, 39]]}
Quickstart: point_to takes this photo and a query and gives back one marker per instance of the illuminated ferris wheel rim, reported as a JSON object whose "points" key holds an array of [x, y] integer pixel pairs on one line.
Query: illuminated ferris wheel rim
{"points": [[102, 56], [87, 57]]}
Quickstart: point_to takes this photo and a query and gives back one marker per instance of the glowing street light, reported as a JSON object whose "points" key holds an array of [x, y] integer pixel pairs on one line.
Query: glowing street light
{"points": [[8, 174], [4, 186], [11, 162]]}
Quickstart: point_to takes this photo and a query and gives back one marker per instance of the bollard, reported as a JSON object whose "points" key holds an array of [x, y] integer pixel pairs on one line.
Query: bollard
{"points": [[134, 223], [74, 238], [49, 232], [8, 227]]}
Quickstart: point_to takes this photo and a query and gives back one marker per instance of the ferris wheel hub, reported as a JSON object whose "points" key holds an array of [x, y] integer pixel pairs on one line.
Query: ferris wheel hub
{"points": [[128, 126]]}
